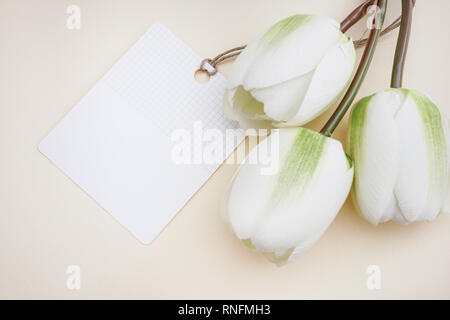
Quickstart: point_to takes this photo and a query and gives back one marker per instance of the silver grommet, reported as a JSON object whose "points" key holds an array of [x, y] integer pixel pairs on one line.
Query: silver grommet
{"points": [[204, 66]]}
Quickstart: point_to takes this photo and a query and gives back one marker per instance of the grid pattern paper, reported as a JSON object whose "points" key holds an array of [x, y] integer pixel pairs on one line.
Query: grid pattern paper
{"points": [[116, 142]]}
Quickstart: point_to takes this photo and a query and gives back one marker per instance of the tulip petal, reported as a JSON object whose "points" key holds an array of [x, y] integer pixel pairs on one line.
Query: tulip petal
{"points": [[249, 187], [240, 66], [246, 109], [271, 36], [373, 146], [286, 53], [303, 221], [412, 180], [281, 101], [423, 173], [283, 214], [335, 69], [300, 58], [245, 102]]}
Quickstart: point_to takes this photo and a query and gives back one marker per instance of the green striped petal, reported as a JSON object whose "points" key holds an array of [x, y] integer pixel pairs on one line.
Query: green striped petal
{"points": [[282, 214], [398, 140]]}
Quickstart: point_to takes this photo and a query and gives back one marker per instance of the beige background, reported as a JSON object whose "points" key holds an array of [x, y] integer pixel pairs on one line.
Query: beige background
{"points": [[48, 223]]}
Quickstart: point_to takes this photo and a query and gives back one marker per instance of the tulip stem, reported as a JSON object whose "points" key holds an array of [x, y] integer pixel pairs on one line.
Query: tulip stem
{"points": [[402, 44], [355, 15], [364, 64]]}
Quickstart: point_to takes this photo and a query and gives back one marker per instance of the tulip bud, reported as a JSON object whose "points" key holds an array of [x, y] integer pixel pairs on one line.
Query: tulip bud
{"points": [[399, 142], [281, 215], [290, 74]]}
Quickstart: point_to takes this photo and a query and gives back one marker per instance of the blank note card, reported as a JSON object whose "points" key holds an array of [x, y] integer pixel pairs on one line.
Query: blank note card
{"points": [[116, 142]]}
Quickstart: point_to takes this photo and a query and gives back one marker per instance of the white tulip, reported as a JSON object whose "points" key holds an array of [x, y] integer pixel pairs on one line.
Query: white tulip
{"points": [[399, 142], [290, 74], [281, 215]]}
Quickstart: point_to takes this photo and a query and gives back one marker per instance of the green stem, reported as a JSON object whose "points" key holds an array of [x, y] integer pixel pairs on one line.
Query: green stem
{"points": [[402, 44], [366, 58]]}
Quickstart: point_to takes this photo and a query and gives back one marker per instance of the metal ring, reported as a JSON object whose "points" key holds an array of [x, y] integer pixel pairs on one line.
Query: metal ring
{"points": [[208, 61]]}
